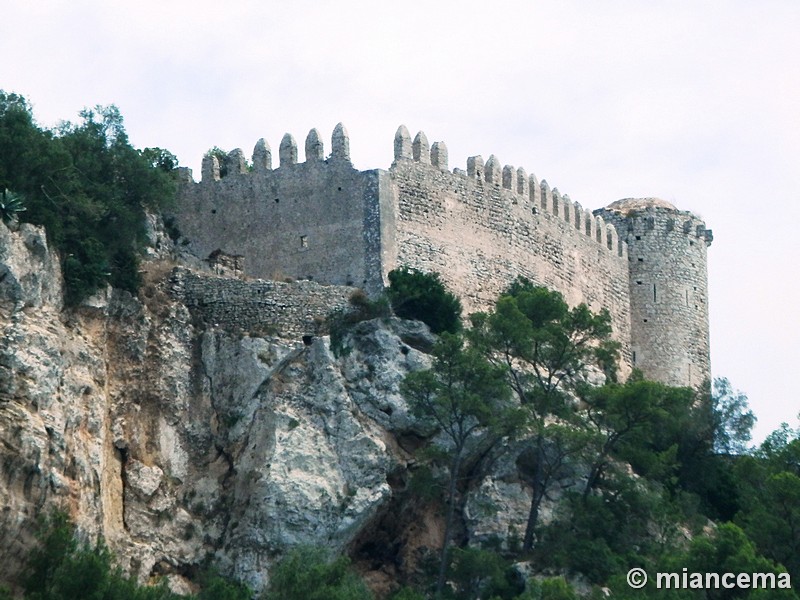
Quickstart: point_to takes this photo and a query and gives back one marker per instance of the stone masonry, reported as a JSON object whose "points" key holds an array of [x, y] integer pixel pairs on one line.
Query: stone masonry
{"points": [[283, 309], [323, 220]]}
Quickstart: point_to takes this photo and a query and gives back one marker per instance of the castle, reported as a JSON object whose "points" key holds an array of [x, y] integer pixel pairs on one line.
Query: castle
{"points": [[323, 220]]}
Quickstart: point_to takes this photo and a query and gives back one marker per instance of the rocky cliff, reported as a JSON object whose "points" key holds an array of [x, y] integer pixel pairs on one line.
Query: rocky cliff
{"points": [[184, 444]]}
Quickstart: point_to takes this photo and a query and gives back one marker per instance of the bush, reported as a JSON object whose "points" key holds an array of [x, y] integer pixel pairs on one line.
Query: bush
{"points": [[422, 296], [307, 573], [482, 574], [553, 588], [362, 309], [11, 205], [60, 568], [219, 588]]}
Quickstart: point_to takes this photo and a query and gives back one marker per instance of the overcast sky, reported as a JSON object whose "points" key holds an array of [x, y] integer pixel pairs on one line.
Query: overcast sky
{"points": [[695, 102]]}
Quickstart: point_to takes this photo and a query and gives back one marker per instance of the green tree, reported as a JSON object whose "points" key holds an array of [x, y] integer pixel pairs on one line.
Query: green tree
{"points": [[709, 443], [222, 158], [544, 347], [548, 460], [422, 296], [640, 422], [729, 550], [732, 420], [770, 511], [463, 395], [88, 187]]}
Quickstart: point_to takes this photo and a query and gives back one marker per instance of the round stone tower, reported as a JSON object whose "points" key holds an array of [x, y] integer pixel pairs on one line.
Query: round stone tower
{"points": [[668, 289]]}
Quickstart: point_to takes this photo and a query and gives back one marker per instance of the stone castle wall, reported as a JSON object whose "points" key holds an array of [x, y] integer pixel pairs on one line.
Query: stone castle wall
{"points": [[325, 221], [482, 227], [290, 310], [317, 220]]}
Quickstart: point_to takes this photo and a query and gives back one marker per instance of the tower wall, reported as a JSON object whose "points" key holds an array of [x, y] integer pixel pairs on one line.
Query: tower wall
{"points": [[668, 289]]}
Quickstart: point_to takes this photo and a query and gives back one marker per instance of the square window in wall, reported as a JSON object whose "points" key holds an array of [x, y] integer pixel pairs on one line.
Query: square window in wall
{"points": [[304, 241]]}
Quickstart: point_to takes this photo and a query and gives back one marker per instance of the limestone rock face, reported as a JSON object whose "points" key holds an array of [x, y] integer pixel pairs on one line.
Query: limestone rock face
{"points": [[179, 442]]}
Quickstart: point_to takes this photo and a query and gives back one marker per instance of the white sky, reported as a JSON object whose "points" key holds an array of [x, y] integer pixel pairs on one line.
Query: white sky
{"points": [[696, 102]]}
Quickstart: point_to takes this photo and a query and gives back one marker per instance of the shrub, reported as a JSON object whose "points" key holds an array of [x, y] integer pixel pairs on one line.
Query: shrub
{"points": [[552, 588], [422, 296], [307, 573], [61, 568], [479, 574], [11, 205], [219, 588], [362, 309]]}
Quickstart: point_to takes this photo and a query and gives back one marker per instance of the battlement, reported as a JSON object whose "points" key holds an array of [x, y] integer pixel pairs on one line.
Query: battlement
{"points": [[235, 162], [654, 210], [479, 227], [531, 194]]}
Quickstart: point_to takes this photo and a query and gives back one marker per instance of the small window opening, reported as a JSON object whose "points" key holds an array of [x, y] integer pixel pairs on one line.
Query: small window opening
{"points": [[691, 243], [304, 241], [634, 357], [277, 200], [654, 293], [340, 189], [307, 339], [638, 283], [640, 259], [645, 320], [213, 211], [638, 237]]}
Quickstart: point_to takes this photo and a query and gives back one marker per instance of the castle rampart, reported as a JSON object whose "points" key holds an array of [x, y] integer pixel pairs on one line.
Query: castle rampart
{"points": [[320, 219], [323, 220], [479, 232]]}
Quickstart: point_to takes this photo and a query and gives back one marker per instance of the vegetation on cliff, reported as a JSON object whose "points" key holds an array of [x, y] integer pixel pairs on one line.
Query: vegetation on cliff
{"points": [[88, 187]]}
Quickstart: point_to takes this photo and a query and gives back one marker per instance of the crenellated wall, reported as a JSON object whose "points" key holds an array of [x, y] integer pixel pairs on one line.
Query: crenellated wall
{"points": [[320, 219], [482, 227], [479, 227]]}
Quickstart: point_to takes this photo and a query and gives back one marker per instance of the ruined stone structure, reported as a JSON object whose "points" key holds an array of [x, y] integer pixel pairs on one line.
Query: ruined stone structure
{"points": [[289, 310], [323, 220]]}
